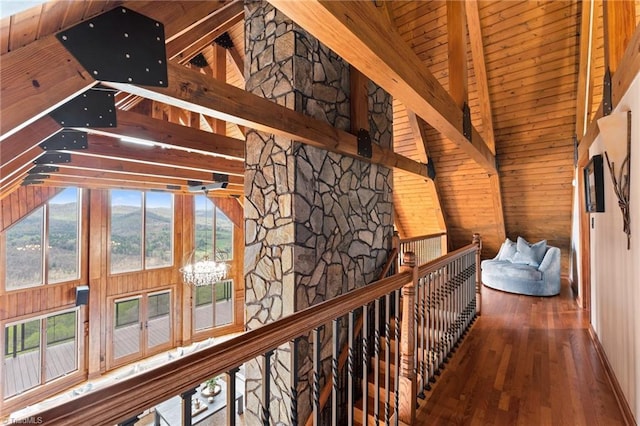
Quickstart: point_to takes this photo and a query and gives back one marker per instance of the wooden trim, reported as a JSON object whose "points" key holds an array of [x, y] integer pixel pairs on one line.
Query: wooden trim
{"points": [[359, 33], [585, 78], [625, 408], [197, 92]]}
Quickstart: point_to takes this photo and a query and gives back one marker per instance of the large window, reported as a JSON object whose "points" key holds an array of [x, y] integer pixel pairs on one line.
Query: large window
{"points": [[213, 231], [141, 230], [212, 304], [39, 350], [54, 226]]}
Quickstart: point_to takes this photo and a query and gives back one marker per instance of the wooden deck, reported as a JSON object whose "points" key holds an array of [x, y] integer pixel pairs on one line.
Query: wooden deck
{"points": [[527, 361], [23, 371]]}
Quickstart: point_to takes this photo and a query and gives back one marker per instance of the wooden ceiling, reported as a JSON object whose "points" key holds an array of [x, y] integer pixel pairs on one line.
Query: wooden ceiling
{"points": [[515, 63]]}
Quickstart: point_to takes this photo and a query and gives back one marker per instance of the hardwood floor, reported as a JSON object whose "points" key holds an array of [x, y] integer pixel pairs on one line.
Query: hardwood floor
{"points": [[526, 361]]}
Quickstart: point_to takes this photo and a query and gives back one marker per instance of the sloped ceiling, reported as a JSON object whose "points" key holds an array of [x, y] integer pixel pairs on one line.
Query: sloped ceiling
{"points": [[531, 55]]}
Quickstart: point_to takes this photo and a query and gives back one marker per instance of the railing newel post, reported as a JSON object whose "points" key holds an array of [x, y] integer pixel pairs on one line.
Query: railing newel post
{"points": [[408, 385]]}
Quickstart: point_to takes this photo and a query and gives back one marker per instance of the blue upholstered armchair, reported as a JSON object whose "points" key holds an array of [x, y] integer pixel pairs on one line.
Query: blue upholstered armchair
{"points": [[524, 268]]}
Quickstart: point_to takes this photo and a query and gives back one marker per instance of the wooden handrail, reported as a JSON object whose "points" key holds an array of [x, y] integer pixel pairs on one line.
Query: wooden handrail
{"points": [[342, 359], [127, 397]]}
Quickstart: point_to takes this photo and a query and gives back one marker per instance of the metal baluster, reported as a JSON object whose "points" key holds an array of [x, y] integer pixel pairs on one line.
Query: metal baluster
{"points": [[365, 363], [186, 406], [429, 344], [416, 325], [334, 371], [266, 389], [350, 366], [294, 382], [387, 358], [316, 375], [396, 315], [231, 396], [376, 365], [422, 330]]}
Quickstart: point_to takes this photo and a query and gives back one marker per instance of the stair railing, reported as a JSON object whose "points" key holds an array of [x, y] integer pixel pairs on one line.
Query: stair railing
{"points": [[442, 285]]}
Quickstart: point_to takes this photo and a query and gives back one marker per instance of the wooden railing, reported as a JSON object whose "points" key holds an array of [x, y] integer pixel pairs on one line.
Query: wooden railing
{"points": [[426, 247], [439, 297]]}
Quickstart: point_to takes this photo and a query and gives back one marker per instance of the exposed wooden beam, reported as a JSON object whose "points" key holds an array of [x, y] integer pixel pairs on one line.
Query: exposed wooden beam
{"points": [[106, 183], [219, 73], [206, 30], [480, 70], [479, 66], [230, 207], [585, 77], [457, 49], [137, 126], [22, 147], [106, 147], [628, 68], [108, 175], [359, 101], [143, 169], [191, 90], [619, 25], [419, 130], [357, 31], [237, 61], [43, 75]]}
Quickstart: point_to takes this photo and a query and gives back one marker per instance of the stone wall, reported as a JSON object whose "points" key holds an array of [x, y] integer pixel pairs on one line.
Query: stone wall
{"points": [[317, 224]]}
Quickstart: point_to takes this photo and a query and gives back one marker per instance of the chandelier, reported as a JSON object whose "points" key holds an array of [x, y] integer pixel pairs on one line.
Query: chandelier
{"points": [[206, 271]]}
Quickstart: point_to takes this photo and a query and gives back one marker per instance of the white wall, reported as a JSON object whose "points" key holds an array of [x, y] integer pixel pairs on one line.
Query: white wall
{"points": [[615, 271]]}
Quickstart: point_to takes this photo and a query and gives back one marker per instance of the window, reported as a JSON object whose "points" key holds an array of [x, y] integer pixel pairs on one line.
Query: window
{"points": [[39, 350], [213, 231], [56, 226], [213, 305], [141, 222]]}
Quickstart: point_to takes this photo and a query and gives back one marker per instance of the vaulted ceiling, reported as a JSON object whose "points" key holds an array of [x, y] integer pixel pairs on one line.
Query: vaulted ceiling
{"points": [[516, 64]]}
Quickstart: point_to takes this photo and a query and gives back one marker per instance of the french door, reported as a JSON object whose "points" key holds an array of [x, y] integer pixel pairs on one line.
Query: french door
{"points": [[140, 326]]}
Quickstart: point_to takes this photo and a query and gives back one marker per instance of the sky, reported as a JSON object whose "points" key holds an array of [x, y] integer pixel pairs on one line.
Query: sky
{"points": [[11, 7]]}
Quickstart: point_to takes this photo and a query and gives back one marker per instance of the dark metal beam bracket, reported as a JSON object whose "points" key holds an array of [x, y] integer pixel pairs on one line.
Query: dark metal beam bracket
{"points": [[466, 121], [121, 46], [94, 108], [64, 140], [364, 144]]}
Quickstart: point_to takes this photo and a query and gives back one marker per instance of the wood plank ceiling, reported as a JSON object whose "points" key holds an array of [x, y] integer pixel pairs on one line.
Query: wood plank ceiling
{"points": [[530, 51]]}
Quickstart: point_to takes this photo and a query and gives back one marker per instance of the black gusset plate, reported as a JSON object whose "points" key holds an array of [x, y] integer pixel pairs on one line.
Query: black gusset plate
{"points": [[199, 61], [53, 158], [43, 169], [194, 182], [364, 144], [65, 140], [224, 40], [36, 177], [220, 177], [93, 108], [31, 182], [121, 45]]}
